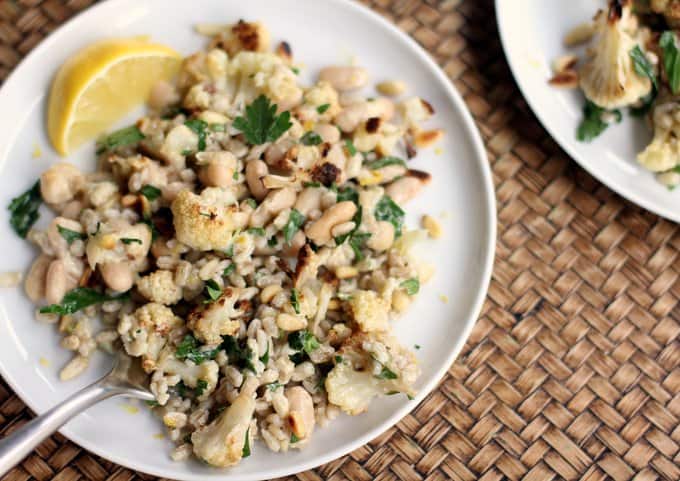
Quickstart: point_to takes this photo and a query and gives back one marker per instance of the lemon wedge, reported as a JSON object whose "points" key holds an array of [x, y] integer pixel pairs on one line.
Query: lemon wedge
{"points": [[100, 84]]}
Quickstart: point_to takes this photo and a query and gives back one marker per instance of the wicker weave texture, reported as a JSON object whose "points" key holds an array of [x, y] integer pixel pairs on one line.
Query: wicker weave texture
{"points": [[572, 371]]}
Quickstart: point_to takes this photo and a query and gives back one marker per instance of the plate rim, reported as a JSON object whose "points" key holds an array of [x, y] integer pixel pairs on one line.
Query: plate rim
{"points": [[630, 195], [488, 246]]}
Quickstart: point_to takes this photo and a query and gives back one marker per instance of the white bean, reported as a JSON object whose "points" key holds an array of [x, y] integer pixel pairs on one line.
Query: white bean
{"points": [[300, 411], [117, 275], [382, 236], [320, 231], [329, 133], [60, 183], [55, 282], [344, 78], [255, 170], [34, 285], [308, 200], [404, 189]]}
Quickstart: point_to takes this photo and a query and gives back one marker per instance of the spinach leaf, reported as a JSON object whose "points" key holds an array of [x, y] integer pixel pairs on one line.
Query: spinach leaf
{"points": [[24, 210], [389, 211], [80, 298]]}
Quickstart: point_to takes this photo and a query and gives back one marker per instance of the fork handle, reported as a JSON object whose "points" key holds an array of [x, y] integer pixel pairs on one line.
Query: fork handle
{"points": [[17, 445]]}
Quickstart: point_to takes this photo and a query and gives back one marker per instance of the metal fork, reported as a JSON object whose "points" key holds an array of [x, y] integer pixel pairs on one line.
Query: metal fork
{"points": [[126, 378]]}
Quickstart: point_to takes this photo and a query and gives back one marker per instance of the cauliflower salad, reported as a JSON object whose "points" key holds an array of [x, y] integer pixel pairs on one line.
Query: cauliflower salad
{"points": [[245, 242], [632, 62]]}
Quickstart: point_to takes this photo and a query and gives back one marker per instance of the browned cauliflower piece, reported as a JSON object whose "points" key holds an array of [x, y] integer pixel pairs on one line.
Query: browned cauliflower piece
{"points": [[370, 311], [144, 332], [248, 36], [207, 221], [190, 372], [609, 78], [212, 321], [663, 153], [221, 442], [371, 364]]}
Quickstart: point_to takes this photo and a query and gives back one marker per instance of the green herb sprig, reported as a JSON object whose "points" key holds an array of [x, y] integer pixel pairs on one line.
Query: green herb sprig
{"points": [[261, 124]]}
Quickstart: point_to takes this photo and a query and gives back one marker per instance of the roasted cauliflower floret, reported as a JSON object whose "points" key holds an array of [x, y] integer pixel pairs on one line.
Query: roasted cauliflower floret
{"points": [[370, 311], [377, 135], [144, 332], [320, 103], [663, 153], [206, 373], [608, 78], [180, 140], [221, 442], [212, 321], [248, 36], [415, 111], [254, 73], [160, 287], [207, 221], [371, 364]]}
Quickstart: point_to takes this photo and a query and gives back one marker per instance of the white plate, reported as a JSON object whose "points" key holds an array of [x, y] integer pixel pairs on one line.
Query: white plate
{"points": [[532, 32], [320, 32]]}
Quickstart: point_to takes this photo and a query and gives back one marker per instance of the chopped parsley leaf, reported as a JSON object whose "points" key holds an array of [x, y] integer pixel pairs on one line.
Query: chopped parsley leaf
{"points": [[411, 286], [80, 298], [199, 127], [189, 349], [311, 138], [295, 221], [386, 373], [120, 138], [150, 192], [130, 240], [294, 300], [213, 290]]}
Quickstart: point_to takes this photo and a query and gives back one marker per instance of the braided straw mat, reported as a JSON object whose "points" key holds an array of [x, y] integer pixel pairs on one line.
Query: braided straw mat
{"points": [[572, 371]]}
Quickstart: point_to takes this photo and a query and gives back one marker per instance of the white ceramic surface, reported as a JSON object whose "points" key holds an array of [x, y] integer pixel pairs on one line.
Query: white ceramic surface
{"points": [[532, 32], [320, 32]]}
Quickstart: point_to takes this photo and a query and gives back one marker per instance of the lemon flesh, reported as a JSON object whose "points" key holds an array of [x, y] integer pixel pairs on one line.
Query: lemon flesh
{"points": [[100, 84]]}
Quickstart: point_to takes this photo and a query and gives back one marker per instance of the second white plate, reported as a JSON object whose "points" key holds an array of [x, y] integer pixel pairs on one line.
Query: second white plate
{"points": [[532, 32]]}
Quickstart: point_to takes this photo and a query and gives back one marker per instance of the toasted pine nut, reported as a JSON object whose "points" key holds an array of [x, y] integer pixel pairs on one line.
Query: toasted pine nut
{"points": [[300, 411], [391, 88], [289, 322], [269, 292], [429, 223], [346, 272], [427, 138], [400, 301], [74, 368]]}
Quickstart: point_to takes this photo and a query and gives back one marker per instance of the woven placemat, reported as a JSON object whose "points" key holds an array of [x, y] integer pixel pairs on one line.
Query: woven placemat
{"points": [[572, 371]]}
